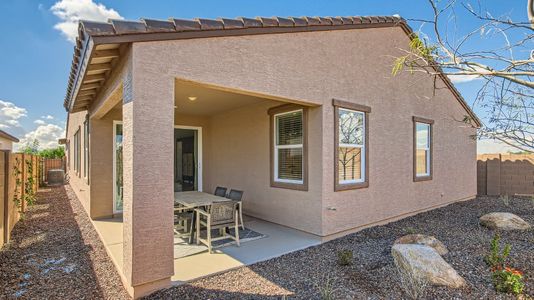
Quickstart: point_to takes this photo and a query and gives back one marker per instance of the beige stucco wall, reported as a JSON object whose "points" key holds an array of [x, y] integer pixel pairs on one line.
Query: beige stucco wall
{"points": [[101, 160], [241, 160], [79, 184], [6, 144], [96, 191], [354, 65]]}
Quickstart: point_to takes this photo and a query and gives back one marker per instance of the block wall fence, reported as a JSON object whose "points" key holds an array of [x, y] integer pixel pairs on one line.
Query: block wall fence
{"points": [[505, 174]]}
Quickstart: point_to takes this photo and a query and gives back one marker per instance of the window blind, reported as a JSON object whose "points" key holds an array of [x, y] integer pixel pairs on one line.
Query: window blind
{"points": [[289, 147]]}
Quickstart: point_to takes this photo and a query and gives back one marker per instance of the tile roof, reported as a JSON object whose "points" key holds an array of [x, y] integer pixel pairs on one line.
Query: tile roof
{"points": [[125, 31], [120, 27], [147, 27]]}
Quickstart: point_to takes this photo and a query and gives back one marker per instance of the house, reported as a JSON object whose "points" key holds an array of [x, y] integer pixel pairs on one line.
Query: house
{"points": [[7, 140], [302, 114]]}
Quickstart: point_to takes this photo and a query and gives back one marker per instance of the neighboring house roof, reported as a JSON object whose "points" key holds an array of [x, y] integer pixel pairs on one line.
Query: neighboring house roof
{"points": [[8, 136], [87, 60]]}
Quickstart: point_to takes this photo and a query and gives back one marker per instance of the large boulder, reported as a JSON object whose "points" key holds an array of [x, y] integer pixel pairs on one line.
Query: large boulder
{"points": [[503, 221], [422, 239], [426, 263]]}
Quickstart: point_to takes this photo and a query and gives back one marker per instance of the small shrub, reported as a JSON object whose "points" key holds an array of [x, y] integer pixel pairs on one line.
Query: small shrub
{"points": [[412, 284], [410, 230], [505, 199], [326, 290], [344, 257], [508, 280], [497, 258]]}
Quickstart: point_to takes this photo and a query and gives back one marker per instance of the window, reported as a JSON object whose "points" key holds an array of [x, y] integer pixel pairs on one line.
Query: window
{"points": [[422, 149], [86, 148], [77, 152], [288, 150], [351, 145]]}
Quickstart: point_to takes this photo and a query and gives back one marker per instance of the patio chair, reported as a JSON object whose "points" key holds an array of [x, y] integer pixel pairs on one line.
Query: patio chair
{"points": [[220, 191], [221, 215], [182, 216], [237, 196]]}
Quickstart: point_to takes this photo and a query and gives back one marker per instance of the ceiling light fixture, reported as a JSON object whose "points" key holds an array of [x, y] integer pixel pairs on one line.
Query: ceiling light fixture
{"points": [[192, 98]]}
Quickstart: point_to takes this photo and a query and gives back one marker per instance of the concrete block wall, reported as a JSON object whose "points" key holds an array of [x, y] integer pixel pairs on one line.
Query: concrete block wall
{"points": [[505, 174]]}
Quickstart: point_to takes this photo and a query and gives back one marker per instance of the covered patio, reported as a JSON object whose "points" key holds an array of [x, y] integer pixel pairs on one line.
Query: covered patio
{"points": [[276, 240], [221, 137]]}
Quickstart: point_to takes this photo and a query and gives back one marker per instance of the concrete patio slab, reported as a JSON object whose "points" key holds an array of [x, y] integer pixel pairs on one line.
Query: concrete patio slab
{"points": [[279, 240]]}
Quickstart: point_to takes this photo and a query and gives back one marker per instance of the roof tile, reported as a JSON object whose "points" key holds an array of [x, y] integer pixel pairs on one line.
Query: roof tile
{"points": [[284, 22], [232, 23], [325, 21], [97, 28], [186, 25], [158, 25], [335, 20], [313, 21], [268, 22], [299, 22], [209, 24], [346, 21], [125, 27], [251, 23]]}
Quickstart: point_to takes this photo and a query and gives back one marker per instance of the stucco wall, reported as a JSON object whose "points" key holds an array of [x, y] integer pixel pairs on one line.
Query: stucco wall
{"points": [[353, 65], [101, 160], [6, 144], [241, 160], [77, 181]]}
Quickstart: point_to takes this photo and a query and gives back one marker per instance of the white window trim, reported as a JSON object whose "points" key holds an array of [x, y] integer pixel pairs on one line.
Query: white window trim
{"points": [[427, 149], [362, 147], [295, 146]]}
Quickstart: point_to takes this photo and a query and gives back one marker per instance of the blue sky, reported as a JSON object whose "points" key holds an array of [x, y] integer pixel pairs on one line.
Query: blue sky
{"points": [[35, 56]]}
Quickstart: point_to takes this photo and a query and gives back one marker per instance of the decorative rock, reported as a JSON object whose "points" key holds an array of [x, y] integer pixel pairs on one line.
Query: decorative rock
{"points": [[424, 261], [504, 221], [422, 239]]}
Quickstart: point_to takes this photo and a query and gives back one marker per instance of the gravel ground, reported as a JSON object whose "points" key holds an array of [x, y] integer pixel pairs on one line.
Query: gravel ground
{"points": [[302, 274], [55, 253]]}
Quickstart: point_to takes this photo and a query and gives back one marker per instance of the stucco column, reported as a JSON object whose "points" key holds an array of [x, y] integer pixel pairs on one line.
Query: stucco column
{"points": [[148, 128]]}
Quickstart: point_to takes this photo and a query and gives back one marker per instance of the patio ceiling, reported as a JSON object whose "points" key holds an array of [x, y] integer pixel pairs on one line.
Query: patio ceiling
{"points": [[208, 101]]}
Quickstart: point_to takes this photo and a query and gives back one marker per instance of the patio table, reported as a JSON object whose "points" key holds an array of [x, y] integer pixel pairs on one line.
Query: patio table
{"points": [[195, 199]]}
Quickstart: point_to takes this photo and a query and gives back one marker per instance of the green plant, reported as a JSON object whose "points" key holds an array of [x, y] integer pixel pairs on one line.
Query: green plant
{"points": [[17, 195], [505, 199], [410, 230], [58, 152], [326, 290], [344, 257], [508, 280], [497, 257], [29, 193]]}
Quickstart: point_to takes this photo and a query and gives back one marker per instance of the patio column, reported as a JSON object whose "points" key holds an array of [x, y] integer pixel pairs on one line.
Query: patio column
{"points": [[148, 128]]}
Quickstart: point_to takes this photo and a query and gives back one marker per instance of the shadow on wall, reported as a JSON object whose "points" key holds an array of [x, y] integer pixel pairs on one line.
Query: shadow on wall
{"points": [[505, 174], [52, 255]]}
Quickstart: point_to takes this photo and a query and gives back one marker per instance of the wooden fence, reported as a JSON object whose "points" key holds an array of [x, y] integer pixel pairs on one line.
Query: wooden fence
{"points": [[505, 174], [48, 164], [18, 177]]}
